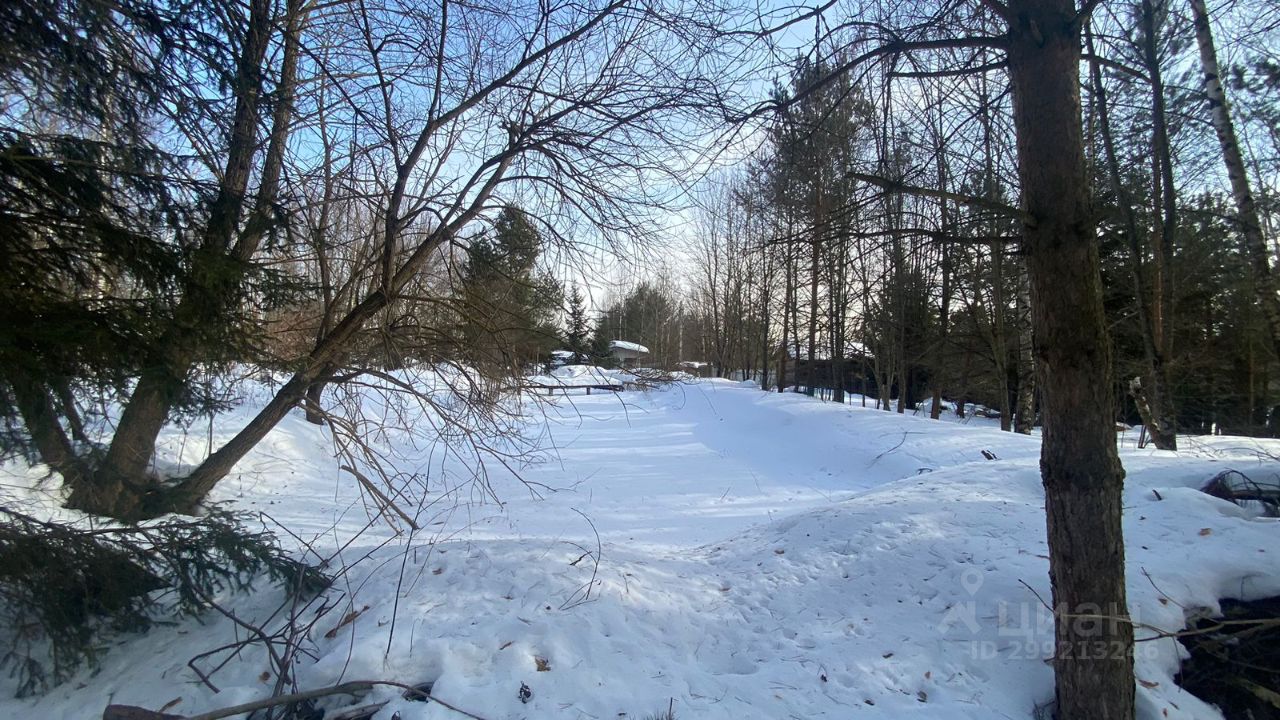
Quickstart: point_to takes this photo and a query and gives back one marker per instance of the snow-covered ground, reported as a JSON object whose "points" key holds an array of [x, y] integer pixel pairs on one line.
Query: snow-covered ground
{"points": [[760, 556], [570, 376]]}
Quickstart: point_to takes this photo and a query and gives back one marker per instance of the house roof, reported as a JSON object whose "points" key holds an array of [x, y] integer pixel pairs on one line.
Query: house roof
{"points": [[630, 346]]}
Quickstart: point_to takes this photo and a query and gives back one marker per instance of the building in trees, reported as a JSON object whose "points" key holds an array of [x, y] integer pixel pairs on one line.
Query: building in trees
{"points": [[627, 354]]}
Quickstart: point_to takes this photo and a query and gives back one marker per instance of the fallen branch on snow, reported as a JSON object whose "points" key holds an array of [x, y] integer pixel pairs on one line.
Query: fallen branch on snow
{"points": [[129, 712]]}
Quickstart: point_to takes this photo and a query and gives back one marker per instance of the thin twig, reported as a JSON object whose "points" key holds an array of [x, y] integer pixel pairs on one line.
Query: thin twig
{"points": [[348, 688]]}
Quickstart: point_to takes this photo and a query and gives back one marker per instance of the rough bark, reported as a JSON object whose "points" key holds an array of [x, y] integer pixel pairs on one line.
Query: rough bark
{"points": [[1025, 419], [1080, 468], [1246, 208], [41, 420], [124, 468], [314, 410]]}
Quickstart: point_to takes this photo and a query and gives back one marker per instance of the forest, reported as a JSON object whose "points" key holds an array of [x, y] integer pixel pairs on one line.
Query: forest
{"points": [[378, 224]]}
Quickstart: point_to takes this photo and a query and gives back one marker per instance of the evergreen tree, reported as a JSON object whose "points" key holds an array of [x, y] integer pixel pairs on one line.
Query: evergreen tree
{"points": [[98, 214], [599, 348], [508, 308], [579, 328]]}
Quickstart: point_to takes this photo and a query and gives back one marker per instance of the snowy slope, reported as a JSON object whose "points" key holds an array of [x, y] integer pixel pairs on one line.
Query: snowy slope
{"points": [[762, 556]]}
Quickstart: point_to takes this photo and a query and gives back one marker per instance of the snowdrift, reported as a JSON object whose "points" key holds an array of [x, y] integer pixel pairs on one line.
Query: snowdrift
{"points": [[748, 555]]}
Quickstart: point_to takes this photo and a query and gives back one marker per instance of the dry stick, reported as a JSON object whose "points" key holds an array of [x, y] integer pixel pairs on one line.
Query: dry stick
{"points": [[571, 602], [386, 502], [260, 633], [1160, 633], [1163, 594], [347, 688], [395, 604]]}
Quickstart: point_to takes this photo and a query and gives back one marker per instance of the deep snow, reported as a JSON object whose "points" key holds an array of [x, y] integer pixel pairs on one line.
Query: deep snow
{"points": [[762, 556]]}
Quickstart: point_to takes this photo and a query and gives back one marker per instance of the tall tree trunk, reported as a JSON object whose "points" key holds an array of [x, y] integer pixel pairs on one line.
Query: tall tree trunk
{"points": [[795, 324], [766, 359], [1166, 232], [787, 302], [811, 369], [903, 382], [999, 335], [40, 417], [1025, 419], [1164, 239], [320, 240], [1079, 465], [944, 307], [838, 270], [885, 381], [1246, 208], [211, 286], [996, 336], [1152, 396], [783, 351]]}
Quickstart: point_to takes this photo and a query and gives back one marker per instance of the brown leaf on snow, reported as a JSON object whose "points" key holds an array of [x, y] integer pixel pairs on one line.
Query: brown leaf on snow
{"points": [[1148, 684], [542, 664], [171, 703], [264, 677], [1205, 531], [437, 571], [505, 645]]}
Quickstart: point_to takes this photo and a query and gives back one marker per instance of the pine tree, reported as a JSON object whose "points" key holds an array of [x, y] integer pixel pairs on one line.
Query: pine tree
{"points": [[579, 328], [97, 214], [599, 349], [508, 308]]}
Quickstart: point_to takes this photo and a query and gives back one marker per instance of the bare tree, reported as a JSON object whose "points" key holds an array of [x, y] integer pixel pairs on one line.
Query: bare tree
{"points": [[1237, 173], [417, 122], [229, 240], [1040, 41]]}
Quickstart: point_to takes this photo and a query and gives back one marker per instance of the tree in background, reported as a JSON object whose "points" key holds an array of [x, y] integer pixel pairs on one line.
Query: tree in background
{"points": [[1246, 205], [650, 314], [1037, 49], [815, 146], [226, 173], [507, 307], [578, 327], [599, 349]]}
